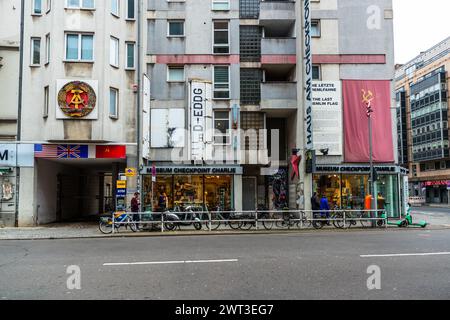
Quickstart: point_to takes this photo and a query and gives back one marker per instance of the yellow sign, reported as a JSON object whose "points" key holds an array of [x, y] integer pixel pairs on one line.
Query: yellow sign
{"points": [[121, 184], [130, 172]]}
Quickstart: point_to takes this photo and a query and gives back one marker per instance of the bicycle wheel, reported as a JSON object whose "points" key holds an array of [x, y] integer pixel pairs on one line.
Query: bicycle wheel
{"points": [[339, 222], [131, 224], [268, 225], [318, 224], [105, 225], [215, 224]]}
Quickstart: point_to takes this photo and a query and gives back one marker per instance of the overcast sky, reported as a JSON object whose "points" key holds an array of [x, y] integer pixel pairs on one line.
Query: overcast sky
{"points": [[419, 25]]}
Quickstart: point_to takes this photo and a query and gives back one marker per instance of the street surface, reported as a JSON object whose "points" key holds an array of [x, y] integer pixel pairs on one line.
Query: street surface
{"points": [[414, 264]]}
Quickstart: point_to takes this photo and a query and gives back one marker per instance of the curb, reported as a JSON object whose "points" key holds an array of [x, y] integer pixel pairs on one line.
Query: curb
{"points": [[229, 233]]}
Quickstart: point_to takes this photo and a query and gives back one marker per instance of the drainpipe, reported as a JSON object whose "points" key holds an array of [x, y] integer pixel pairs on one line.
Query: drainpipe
{"points": [[19, 106]]}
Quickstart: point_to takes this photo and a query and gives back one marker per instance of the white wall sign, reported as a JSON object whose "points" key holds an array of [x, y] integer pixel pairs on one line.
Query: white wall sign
{"points": [[327, 115], [78, 97], [200, 112], [167, 128], [8, 155], [146, 118]]}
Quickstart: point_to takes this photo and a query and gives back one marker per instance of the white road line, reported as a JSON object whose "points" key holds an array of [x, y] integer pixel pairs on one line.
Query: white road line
{"points": [[405, 254], [168, 262]]}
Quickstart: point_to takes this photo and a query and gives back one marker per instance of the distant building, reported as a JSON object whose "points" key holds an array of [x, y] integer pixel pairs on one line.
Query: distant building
{"points": [[422, 122]]}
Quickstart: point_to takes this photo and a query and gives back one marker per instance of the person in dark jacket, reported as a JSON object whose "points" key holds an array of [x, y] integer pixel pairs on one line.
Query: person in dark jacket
{"points": [[135, 208], [315, 202]]}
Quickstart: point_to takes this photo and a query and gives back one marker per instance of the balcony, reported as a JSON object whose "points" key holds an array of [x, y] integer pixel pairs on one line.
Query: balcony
{"points": [[277, 10], [278, 46], [278, 95]]}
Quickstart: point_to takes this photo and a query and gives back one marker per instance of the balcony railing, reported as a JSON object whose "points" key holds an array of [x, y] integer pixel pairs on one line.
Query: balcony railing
{"points": [[278, 95]]}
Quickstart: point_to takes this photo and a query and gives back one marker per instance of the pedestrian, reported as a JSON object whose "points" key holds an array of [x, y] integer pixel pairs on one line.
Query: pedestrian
{"points": [[162, 202], [315, 202], [381, 202], [324, 207], [135, 205]]}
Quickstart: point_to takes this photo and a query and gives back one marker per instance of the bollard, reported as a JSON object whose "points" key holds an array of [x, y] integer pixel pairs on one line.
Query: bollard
{"points": [[256, 219], [162, 221], [209, 222]]}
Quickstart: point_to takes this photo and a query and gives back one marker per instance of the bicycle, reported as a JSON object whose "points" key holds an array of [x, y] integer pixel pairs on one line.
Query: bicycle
{"points": [[217, 218], [289, 220], [120, 218]]}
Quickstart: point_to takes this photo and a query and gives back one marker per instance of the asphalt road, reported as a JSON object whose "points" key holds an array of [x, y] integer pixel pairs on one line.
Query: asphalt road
{"points": [[431, 210], [320, 265]]}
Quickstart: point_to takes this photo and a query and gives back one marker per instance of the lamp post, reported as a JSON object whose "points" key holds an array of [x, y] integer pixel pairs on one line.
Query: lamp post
{"points": [[368, 100]]}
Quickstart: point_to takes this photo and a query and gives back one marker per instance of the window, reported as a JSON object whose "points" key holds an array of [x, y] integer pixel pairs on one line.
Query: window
{"points": [[49, 5], [79, 47], [113, 103], [221, 37], [81, 4], [175, 29], [315, 28], [115, 7], [221, 82], [114, 52], [316, 74], [220, 4], [130, 55], [46, 101], [47, 48], [175, 74], [222, 127], [250, 86], [37, 7], [35, 51], [131, 10]]}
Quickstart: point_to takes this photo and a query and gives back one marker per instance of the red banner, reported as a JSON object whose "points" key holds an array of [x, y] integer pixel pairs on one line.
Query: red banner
{"points": [[359, 96], [111, 152]]}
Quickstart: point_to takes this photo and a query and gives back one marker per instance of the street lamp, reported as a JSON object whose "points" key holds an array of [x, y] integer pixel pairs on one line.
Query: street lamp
{"points": [[367, 99]]}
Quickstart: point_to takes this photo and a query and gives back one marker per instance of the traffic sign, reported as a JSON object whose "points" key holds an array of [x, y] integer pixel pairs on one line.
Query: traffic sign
{"points": [[121, 192], [130, 172], [121, 184]]}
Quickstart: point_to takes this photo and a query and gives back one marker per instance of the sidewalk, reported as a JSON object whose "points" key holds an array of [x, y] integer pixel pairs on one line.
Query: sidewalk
{"points": [[90, 230]]}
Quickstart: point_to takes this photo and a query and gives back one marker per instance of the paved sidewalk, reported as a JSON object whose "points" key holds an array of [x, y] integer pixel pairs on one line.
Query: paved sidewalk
{"points": [[90, 230]]}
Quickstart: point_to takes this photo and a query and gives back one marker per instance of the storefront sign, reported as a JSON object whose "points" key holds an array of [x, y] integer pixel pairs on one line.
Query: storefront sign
{"points": [[8, 155], [200, 113], [436, 183], [327, 115], [194, 170], [76, 99], [130, 172], [356, 169], [121, 184]]}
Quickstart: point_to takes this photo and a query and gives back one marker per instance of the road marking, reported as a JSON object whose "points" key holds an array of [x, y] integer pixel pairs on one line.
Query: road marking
{"points": [[168, 262], [405, 254]]}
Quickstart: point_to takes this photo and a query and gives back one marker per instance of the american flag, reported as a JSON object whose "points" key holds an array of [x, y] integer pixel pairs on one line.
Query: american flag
{"points": [[45, 151]]}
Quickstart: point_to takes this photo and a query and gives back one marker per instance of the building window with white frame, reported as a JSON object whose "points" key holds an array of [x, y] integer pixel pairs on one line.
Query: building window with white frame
{"points": [[37, 7], [221, 37], [221, 5], [80, 4], [46, 101], [316, 72], [47, 48], [131, 9], [115, 8], [315, 28], [175, 28], [221, 83], [35, 51], [222, 128], [130, 55], [175, 74], [79, 47], [113, 103], [114, 52]]}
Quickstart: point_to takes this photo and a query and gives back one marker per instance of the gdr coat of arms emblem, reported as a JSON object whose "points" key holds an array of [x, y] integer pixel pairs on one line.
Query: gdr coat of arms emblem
{"points": [[77, 99]]}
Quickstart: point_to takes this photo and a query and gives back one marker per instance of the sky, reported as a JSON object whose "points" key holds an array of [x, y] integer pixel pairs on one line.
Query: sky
{"points": [[418, 26]]}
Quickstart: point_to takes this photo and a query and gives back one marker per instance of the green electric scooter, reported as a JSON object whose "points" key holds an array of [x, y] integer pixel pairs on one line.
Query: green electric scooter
{"points": [[406, 222]]}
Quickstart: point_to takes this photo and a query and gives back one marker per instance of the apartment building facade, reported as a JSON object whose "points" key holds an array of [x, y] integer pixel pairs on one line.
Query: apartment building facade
{"points": [[422, 118]]}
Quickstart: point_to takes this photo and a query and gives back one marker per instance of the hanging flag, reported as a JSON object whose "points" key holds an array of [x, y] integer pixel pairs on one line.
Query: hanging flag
{"points": [[70, 151], [111, 152], [295, 161], [45, 151]]}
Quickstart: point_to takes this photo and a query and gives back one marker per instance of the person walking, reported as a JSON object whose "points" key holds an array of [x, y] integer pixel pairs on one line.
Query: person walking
{"points": [[315, 202], [324, 207], [135, 204]]}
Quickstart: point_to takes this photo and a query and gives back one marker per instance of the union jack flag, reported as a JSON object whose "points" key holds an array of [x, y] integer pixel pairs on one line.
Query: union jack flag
{"points": [[72, 151]]}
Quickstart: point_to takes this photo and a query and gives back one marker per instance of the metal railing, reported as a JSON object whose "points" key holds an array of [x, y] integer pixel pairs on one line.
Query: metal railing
{"points": [[254, 219]]}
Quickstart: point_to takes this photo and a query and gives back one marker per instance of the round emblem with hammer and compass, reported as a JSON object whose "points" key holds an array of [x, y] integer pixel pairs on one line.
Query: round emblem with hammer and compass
{"points": [[77, 99]]}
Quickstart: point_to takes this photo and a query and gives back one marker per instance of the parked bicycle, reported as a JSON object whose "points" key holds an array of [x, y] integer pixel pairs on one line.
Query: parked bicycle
{"points": [[121, 218]]}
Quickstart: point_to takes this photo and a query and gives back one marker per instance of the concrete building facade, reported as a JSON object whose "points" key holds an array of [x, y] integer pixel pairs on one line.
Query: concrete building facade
{"points": [[422, 123]]}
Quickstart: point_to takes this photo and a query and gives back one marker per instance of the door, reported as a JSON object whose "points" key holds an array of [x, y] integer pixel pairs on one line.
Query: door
{"points": [[249, 193]]}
